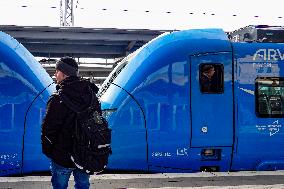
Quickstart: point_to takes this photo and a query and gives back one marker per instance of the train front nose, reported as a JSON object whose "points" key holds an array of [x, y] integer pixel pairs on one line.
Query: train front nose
{"points": [[127, 121]]}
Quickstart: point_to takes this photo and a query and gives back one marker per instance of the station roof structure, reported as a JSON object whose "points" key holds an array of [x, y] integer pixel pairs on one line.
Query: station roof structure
{"points": [[55, 42]]}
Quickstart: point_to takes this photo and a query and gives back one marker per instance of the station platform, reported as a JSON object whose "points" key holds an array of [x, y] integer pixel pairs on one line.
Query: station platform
{"points": [[202, 180]]}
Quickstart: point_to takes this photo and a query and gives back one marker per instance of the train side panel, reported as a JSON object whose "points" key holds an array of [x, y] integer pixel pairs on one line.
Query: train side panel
{"points": [[259, 91]]}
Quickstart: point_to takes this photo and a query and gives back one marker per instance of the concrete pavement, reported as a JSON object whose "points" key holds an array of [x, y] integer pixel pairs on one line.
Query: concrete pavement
{"points": [[203, 180]]}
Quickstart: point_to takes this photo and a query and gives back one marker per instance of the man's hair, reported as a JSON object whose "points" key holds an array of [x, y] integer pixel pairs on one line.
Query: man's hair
{"points": [[68, 66], [207, 68]]}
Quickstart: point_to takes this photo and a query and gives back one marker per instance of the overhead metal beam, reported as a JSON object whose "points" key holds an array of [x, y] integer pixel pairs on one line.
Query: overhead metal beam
{"points": [[65, 35], [84, 70], [75, 55], [88, 49], [80, 42], [77, 42]]}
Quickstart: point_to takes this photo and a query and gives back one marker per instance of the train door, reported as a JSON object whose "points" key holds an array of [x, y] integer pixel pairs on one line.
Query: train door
{"points": [[212, 104]]}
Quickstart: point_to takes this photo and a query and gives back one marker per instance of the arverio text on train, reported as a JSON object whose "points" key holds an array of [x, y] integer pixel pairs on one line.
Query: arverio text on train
{"points": [[187, 101]]}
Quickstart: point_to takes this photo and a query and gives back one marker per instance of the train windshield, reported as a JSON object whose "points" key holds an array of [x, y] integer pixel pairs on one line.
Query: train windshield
{"points": [[115, 72], [120, 66], [270, 97]]}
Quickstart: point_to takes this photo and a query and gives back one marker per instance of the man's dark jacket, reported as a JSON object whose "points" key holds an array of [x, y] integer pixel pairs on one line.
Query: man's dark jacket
{"points": [[73, 95]]}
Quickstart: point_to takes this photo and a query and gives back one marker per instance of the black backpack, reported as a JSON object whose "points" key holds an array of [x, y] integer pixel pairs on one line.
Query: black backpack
{"points": [[91, 141], [91, 138]]}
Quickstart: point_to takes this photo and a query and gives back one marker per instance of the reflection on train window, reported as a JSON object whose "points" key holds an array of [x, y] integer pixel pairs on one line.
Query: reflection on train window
{"points": [[165, 121], [211, 78], [123, 118], [6, 122], [136, 117], [152, 117], [130, 117], [269, 97]]}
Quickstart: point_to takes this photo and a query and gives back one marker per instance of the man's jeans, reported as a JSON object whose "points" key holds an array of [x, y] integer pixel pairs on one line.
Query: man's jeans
{"points": [[61, 175]]}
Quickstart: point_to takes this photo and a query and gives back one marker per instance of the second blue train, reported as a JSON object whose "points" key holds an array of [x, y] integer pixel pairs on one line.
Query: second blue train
{"points": [[165, 118]]}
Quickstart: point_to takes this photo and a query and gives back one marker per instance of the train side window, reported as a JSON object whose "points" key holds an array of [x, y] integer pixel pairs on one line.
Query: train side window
{"points": [[269, 97], [211, 78]]}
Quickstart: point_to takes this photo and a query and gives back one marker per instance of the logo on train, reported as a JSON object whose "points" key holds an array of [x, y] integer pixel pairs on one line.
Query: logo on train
{"points": [[268, 55]]}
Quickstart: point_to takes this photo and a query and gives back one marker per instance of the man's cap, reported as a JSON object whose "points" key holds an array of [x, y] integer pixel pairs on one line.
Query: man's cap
{"points": [[68, 66]]}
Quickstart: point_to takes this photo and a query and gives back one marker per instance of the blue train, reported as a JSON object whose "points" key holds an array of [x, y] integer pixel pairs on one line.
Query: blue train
{"points": [[194, 100], [165, 117]]}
